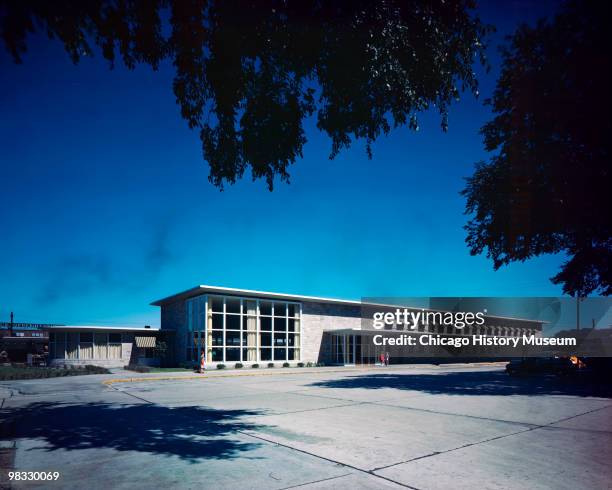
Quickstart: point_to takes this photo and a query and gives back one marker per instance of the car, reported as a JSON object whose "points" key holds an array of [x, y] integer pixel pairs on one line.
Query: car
{"points": [[541, 365]]}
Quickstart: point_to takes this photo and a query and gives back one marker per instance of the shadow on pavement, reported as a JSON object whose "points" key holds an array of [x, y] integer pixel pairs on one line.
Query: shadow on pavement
{"points": [[191, 433], [475, 383]]}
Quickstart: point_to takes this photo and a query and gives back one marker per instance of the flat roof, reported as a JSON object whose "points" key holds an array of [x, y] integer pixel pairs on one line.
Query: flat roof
{"points": [[103, 327], [207, 289]]}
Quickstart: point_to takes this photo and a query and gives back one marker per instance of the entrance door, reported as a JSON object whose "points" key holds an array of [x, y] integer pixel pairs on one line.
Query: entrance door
{"points": [[348, 347]]}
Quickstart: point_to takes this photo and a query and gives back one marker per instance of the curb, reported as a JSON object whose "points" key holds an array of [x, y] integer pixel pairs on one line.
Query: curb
{"points": [[110, 382]]}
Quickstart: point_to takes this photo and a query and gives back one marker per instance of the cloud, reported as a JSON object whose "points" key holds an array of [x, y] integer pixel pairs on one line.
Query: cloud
{"points": [[76, 275], [84, 274]]}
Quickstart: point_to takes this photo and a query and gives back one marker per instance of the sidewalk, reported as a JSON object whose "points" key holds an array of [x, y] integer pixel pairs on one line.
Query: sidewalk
{"points": [[125, 376]]}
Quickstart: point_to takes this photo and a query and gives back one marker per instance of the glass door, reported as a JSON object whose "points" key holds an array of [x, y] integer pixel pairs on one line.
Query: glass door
{"points": [[349, 349]]}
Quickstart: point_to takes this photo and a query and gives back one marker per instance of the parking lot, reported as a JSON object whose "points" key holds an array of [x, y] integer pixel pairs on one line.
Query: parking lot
{"points": [[422, 427]]}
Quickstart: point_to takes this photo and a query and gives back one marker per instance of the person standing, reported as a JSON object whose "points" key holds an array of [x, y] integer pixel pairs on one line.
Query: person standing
{"points": [[386, 359], [382, 358], [202, 362]]}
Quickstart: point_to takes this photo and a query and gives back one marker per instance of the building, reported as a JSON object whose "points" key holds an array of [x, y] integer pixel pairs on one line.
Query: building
{"points": [[78, 345], [17, 340], [239, 325], [24, 330]]}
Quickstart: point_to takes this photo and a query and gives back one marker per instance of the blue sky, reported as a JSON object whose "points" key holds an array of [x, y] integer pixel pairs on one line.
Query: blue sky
{"points": [[105, 203]]}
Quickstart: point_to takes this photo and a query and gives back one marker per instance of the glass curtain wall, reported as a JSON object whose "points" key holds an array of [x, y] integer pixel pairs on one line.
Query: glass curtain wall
{"points": [[251, 330], [195, 339]]}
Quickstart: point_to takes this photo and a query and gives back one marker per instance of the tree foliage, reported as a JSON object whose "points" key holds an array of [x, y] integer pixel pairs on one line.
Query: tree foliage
{"points": [[546, 187], [249, 73]]}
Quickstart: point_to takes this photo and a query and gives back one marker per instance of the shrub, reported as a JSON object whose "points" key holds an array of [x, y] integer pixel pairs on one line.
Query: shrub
{"points": [[220, 366], [239, 365], [20, 372], [255, 366], [300, 364], [137, 368], [91, 369], [270, 364], [310, 364], [286, 364]]}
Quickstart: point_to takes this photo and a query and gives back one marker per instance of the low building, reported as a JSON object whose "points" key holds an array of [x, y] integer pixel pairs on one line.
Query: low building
{"points": [[78, 345], [246, 326], [18, 340]]}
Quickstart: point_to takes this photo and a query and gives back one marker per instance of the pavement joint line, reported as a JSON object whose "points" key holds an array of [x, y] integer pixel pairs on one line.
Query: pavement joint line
{"points": [[545, 426], [308, 410], [379, 403], [436, 453], [577, 415], [369, 472], [451, 414], [246, 433], [316, 481]]}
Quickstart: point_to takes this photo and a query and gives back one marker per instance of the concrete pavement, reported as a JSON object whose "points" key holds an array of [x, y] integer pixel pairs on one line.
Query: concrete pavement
{"points": [[417, 427]]}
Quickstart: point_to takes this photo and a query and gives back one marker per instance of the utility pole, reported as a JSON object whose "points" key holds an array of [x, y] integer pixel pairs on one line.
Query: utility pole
{"points": [[578, 300], [11, 326]]}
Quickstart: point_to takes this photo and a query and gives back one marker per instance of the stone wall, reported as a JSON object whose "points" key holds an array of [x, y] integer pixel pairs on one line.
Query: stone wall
{"points": [[318, 317], [173, 317]]}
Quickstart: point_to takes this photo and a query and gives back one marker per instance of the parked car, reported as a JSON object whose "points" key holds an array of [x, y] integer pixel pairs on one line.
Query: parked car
{"points": [[541, 365]]}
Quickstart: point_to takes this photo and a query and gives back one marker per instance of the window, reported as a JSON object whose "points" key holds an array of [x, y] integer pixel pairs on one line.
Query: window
{"points": [[280, 324], [280, 354], [217, 322], [232, 305], [294, 310], [266, 354], [248, 329], [280, 339], [216, 304], [266, 324], [217, 338], [216, 354], [72, 345], [265, 308], [232, 322], [266, 340], [57, 345], [232, 338], [85, 345], [280, 309], [114, 346], [100, 346], [232, 354]]}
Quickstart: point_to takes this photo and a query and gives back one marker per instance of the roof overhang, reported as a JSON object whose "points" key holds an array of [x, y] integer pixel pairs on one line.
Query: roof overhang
{"points": [[204, 289], [103, 328], [207, 289]]}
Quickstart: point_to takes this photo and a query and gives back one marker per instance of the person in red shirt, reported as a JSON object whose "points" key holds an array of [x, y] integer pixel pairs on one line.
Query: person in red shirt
{"points": [[202, 361]]}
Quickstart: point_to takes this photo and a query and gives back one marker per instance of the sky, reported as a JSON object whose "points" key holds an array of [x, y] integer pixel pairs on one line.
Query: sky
{"points": [[106, 206]]}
